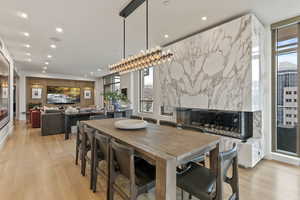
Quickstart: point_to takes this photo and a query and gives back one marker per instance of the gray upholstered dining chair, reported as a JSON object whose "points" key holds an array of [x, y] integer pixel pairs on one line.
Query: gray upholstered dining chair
{"points": [[101, 154], [151, 120], [140, 173], [135, 117], [204, 184]]}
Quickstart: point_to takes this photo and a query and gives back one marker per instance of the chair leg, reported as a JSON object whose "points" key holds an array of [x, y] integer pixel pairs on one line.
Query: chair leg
{"points": [[77, 155], [181, 194], [95, 181], [83, 159], [190, 196]]}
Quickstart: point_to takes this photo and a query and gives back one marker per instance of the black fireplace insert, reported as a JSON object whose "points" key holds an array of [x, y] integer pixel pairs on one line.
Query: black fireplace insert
{"points": [[227, 123]]}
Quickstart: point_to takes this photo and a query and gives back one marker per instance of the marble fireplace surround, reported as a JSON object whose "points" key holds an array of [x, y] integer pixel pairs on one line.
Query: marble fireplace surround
{"points": [[216, 69]]}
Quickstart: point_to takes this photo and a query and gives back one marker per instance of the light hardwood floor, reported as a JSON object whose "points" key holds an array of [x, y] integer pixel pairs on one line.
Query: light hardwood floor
{"points": [[33, 167]]}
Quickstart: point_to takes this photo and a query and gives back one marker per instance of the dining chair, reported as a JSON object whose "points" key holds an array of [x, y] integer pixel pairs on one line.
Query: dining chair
{"points": [[79, 137], [87, 155], [141, 174], [135, 117], [167, 123], [204, 184], [95, 117], [101, 154], [151, 120]]}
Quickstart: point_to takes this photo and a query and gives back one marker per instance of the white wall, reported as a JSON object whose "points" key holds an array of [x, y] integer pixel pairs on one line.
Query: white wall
{"points": [[6, 130]]}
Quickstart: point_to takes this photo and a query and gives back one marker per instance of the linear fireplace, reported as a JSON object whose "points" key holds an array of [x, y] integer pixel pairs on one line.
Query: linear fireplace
{"points": [[227, 123]]}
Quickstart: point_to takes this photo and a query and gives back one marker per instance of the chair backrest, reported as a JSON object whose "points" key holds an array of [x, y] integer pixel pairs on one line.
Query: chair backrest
{"points": [[95, 117], [227, 158], [89, 132], [102, 144], [167, 123], [80, 128], [135, 117], [124, 158], [151, 120]]}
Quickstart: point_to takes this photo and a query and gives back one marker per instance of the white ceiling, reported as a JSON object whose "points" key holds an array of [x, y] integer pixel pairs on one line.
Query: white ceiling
{"points": [[92, 35]]}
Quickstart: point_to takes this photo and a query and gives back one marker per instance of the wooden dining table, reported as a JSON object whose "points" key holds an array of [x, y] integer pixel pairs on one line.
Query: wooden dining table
{"points": [[166, 147]]}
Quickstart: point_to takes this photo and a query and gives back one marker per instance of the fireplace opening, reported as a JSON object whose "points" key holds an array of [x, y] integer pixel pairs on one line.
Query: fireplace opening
{"points": [[228, 123]]}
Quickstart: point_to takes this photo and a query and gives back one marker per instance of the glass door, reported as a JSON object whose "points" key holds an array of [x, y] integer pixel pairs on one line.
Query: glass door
{"points": [[286, 64]]}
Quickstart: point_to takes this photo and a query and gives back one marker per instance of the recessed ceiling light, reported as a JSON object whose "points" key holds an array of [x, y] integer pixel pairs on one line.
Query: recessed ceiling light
{"points": [[44, 71], [49, 56], [166, 36], [29, 60], [46, 63], [53, 46], [26, 34], [204, 18], [27, 45], [99, 70], [28, 54], [59, 30], [44, 68], [23, 15]]}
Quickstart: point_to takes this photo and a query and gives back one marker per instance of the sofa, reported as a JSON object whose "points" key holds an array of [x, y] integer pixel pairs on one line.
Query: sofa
{"points": [[52, 122]]}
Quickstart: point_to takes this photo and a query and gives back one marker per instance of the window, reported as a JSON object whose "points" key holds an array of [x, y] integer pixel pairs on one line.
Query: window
{"points": [[111, 83], [146, 90], [285, 42]]}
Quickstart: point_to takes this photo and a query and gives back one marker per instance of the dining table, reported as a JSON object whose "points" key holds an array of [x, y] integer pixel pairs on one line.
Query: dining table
{"points": [[166, 147]]}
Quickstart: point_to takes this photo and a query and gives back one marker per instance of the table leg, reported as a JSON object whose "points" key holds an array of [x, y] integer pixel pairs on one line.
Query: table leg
{"points": [[166, 179]]}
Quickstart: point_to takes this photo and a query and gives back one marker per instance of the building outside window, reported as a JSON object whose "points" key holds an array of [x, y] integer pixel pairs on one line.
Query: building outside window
{"points": [[146, 90]]}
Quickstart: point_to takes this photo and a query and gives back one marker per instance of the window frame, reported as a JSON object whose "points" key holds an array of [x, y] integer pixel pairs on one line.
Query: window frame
{"points": [[141, 87], [274, 64]]}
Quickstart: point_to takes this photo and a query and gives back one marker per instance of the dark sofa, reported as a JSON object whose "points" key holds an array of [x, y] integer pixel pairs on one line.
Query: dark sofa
{"points": [[52, 122]]}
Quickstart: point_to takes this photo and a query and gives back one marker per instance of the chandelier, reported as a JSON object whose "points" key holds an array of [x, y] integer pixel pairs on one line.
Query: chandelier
{"points": [[144, 59]]}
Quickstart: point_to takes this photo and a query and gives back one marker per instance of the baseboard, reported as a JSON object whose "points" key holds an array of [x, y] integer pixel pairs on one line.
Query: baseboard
{"points": [[6, 131], [285, 159]]}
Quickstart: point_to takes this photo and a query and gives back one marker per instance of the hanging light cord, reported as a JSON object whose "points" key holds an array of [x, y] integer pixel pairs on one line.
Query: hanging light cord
{"points": [[147, 25], [124, 37]]}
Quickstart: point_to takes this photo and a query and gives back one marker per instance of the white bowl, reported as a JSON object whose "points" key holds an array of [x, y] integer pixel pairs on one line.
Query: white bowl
{"points": [[130, 124]]}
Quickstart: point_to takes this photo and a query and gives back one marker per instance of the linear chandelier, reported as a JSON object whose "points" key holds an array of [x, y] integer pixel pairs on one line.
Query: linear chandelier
{"points": [[144, 59]]}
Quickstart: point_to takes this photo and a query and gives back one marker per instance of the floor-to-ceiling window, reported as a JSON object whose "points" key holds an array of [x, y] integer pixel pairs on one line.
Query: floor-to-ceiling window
{"points": [[285, 39], [146, 90]]}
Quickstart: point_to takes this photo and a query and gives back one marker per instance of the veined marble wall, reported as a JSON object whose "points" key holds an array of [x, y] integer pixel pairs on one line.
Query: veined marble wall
{"points": [[216, 69]]}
